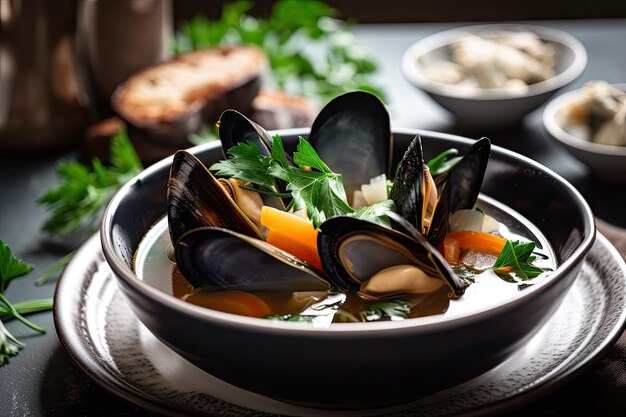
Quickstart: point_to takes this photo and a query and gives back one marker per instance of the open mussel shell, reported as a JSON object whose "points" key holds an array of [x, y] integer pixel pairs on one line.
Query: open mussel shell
{"points": [[196, 199], [407, 189], [216, 258], [459, 188], [352, 136], [235, 128], [354, 251], [413, 188]]}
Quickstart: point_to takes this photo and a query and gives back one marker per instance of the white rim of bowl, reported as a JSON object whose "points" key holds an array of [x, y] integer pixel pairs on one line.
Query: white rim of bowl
{"points": [[419, 324], [446, 37], [557, 104]]}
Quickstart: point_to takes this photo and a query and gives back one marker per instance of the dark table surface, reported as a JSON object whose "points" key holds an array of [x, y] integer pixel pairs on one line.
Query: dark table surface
{"points": [[43, 381]]}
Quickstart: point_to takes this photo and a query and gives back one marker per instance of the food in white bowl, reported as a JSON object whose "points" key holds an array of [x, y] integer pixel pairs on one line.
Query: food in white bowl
{"points": [[598, 114], [506, 60], [497, 82], [589, 122]]}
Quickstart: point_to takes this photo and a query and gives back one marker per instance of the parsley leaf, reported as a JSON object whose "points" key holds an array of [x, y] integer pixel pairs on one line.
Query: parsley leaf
{"points": [[376, 213], [311, 183], [80, 198], [247, 164], [10, 266], [517, 255], [394, 309]]}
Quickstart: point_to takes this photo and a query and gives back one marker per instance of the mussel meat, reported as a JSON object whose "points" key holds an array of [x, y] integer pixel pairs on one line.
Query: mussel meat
{"points": [[427, 203], [379, 263]]}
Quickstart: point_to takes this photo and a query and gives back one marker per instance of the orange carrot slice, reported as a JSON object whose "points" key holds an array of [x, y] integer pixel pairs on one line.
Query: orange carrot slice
{"points": [[292, 234], [235, 302], [479, 241]]}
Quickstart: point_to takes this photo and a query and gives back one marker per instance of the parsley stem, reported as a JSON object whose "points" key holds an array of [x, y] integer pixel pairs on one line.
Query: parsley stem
{"points": [[27, 307], [268, 193], [18, 316], [54, 268], [4, 331]]}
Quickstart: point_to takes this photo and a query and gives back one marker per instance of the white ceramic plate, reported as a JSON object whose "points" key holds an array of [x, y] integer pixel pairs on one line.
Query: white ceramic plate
{"points": [[106, 340]]}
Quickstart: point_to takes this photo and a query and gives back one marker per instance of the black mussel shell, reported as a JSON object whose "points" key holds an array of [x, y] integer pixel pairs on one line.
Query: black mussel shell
{"points": [[216, 258], [235, 128], [406, 191], [196, 199], [352, 136], [460, 188]]}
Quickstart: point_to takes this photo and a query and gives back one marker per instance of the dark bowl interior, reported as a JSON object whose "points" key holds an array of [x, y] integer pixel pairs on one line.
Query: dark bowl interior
{"points": [[444, 354]]}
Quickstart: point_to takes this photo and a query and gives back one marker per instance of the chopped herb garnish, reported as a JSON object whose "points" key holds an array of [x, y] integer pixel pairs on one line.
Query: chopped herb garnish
{"points": [[394, 309], [311, 182], [518, 256]]}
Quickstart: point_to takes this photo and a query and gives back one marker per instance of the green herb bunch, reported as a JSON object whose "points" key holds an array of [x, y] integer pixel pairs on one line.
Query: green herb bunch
{"points": [[77, 202], [310, 51]]}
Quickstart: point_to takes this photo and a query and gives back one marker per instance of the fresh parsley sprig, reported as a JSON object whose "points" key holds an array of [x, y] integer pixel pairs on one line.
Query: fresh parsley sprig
{"points": [[11, 268], [80, 198], [310, 52], [518, 256], [311, 182]]}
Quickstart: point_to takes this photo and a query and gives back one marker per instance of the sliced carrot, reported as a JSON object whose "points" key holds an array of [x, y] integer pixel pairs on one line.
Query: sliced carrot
{"points": [[292, 234], [235, 302], [479, 241]]}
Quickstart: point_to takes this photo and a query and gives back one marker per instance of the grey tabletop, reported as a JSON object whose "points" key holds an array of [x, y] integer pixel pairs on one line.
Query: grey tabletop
{"points": [[43, 381]]}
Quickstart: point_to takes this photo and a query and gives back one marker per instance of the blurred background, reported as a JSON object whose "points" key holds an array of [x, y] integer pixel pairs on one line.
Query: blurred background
{"points": [[399, 11], [61, 61]]}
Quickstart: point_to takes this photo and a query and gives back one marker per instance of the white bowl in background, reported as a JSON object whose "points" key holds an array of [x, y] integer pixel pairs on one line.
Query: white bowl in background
{"points": [[492, 108]]}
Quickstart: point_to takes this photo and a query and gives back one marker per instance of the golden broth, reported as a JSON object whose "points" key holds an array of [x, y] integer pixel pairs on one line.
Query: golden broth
{"points": [[153, 266]]}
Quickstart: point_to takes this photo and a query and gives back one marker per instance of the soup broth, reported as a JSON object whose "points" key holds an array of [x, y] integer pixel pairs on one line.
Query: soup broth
{"points": [[154, 265]]}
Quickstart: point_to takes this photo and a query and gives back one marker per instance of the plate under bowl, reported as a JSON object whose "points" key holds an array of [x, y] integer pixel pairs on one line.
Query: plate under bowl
{"points": [[356, 365]]}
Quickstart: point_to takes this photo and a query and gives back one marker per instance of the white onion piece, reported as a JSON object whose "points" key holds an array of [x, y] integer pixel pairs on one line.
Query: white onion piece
{"points": [[376, 190], [490, 225], [467, 220], [358, 200]]}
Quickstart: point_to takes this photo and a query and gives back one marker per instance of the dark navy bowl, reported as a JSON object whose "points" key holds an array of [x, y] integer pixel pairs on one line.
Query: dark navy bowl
{"points": [[356, 365]]}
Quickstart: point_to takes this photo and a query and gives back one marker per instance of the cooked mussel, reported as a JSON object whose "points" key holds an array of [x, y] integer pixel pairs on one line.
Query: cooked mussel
{"points": [[195, 198], [427, 203], [352, 136], [235, 128], [379, 263], [217, 258]]}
